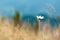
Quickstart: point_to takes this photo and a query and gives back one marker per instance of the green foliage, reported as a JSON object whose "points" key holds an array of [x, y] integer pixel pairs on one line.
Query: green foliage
{"points": [[36, 26], [17, 18], [3, 18]]}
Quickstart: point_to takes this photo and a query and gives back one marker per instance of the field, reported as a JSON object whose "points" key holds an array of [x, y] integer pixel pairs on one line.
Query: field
{"points": [[9, 32]]}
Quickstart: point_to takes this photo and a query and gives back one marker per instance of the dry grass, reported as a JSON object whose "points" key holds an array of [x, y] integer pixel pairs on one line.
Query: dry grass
{"points": [[9, 32]]}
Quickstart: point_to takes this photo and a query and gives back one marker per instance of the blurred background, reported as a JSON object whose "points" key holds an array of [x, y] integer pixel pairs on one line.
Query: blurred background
{"points": [[18, 20], [32, 7]]}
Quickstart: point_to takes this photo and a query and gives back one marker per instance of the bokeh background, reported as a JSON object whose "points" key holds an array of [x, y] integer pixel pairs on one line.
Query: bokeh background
{"points": [[18, 20]]}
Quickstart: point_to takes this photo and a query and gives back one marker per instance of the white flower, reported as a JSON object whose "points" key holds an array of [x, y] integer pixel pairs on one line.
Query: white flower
{"points": [[40, 17]]}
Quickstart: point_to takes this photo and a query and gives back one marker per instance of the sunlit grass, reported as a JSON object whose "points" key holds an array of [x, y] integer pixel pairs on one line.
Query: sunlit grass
{"points": [[9, 32]]}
